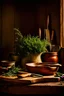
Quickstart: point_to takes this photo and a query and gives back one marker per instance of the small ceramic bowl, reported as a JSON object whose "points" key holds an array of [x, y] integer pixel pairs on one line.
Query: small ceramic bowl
{"points": [[6, 63], [45, 68]]}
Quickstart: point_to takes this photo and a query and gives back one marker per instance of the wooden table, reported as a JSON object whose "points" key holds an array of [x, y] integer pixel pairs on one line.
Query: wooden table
{"points": [[37, 88]]}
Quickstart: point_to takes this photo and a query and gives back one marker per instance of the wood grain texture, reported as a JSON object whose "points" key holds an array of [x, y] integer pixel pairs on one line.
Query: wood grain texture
{"points": [[28, 80]]}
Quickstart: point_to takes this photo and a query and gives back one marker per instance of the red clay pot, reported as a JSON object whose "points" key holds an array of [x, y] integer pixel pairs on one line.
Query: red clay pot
{"points": [[50, 57]]}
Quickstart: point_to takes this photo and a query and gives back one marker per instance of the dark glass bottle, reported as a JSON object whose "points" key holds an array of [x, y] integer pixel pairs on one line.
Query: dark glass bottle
{"points": [[61, 58]]}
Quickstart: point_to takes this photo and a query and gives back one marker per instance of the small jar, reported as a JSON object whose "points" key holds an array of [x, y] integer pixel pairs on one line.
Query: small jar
{"points": [[50, 57]]}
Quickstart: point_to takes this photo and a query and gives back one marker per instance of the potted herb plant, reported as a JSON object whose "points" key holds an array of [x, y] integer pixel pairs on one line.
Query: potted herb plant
{"points": [[30, 47], [15, 56]]}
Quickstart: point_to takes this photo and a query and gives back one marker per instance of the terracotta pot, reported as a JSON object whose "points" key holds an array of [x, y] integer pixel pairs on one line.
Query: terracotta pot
{"points": [[50, 57]]}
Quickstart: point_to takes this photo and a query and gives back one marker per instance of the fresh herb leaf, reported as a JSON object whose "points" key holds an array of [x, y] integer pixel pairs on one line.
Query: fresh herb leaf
{"points": [[12, 72]]}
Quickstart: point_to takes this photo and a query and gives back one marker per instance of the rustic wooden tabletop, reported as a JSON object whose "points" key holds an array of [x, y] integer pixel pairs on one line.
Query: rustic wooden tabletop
{"points": [[35, 88]]}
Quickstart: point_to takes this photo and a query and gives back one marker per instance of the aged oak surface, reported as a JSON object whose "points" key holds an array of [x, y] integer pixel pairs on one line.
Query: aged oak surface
{"points": [[8, 87]]}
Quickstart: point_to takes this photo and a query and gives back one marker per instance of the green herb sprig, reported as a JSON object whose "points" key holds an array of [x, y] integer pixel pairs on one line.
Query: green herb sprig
{"points": [[26, 45], [12, 71]]}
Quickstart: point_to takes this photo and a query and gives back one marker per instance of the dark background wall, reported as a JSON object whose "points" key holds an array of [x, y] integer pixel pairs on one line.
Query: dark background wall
{"points": [[28, 17]]}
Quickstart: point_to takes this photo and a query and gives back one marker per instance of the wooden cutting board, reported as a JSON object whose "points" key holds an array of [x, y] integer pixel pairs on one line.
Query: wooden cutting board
{"points": [[30, 80]]}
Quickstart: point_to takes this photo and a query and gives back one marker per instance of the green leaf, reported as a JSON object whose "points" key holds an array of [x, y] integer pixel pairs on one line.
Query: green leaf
{"points": [[30, 44]]}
